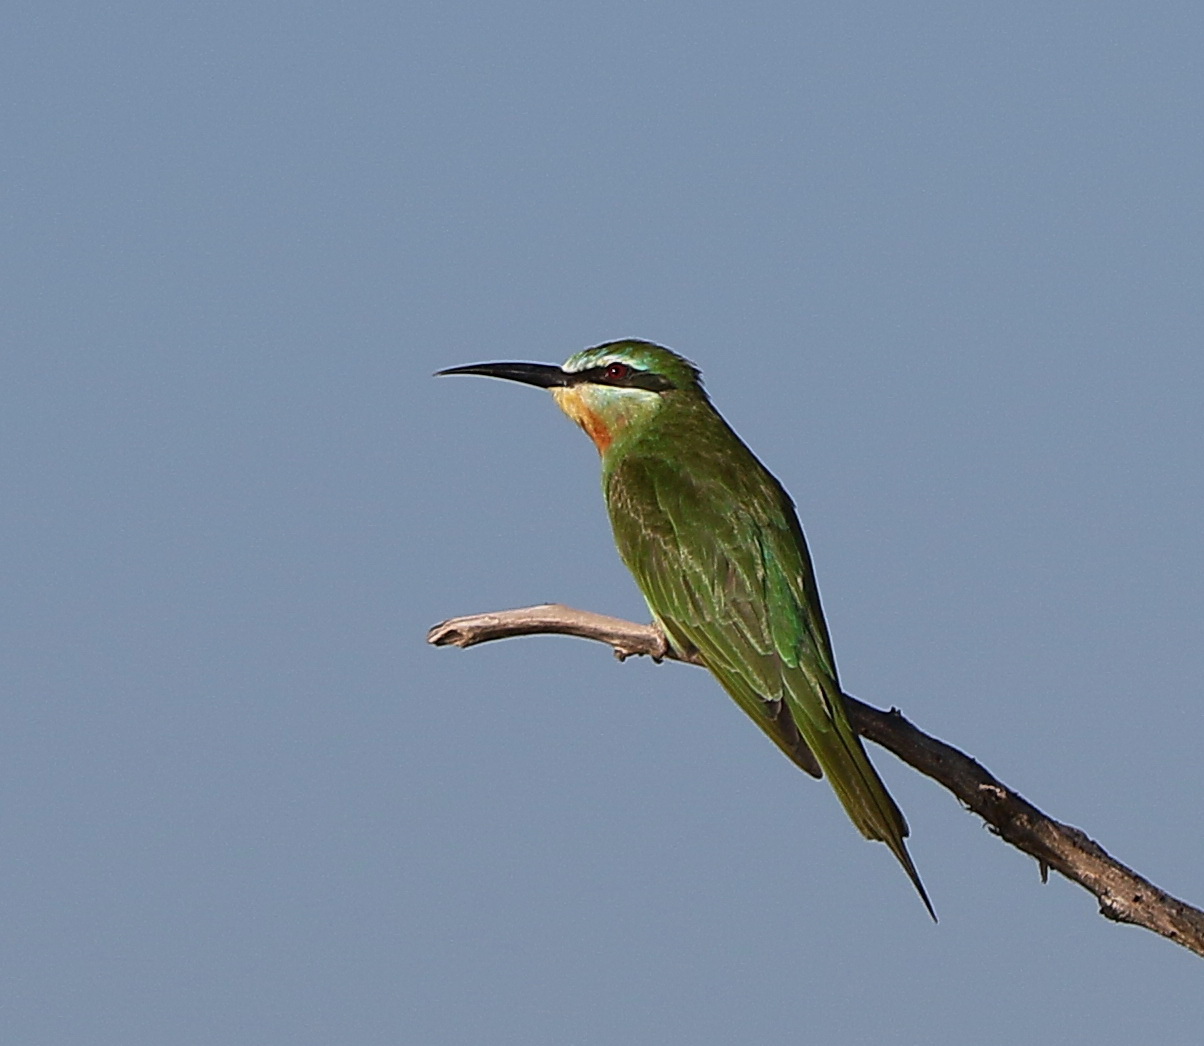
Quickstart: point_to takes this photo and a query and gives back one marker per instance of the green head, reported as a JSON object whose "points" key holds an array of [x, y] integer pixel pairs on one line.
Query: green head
{"points": [[607, 388]]}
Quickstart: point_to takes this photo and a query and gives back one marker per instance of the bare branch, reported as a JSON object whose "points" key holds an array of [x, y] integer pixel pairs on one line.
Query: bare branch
{"points": [[1123, 895], [626, 637]]}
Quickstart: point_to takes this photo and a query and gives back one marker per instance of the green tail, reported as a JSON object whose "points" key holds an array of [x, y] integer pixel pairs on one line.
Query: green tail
{"points": [[856, 783]]}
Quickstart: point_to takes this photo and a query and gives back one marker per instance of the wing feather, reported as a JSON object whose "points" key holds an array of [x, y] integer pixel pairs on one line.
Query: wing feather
{"points": [[726, 573], [707, 594], [720, 556]]}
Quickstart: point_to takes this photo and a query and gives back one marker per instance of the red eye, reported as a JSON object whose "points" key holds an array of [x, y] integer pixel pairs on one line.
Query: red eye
{"points": [[617, 371]]}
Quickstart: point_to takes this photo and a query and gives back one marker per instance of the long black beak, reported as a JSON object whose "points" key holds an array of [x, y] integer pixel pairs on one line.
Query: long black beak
{"points": [[544, 375]]}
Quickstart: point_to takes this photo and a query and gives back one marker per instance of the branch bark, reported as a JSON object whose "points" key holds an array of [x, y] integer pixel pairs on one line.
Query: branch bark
{"points": [[1123, 895]]}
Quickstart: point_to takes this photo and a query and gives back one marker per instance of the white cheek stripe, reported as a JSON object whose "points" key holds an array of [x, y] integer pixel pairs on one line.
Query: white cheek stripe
{"points": [[602, 396]]}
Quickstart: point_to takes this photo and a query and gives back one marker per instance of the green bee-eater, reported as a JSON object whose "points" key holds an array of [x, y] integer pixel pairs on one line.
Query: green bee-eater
{"points": [[716, 547]]}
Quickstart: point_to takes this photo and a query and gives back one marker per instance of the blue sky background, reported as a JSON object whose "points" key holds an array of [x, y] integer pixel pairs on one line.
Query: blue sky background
{"points": [[942, 266]]}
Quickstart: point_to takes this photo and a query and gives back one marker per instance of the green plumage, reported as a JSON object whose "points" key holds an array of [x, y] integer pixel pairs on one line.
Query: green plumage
{"points": [[717, 550]]}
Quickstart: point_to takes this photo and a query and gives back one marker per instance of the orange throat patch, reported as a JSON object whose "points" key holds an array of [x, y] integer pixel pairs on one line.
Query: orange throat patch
{"points": [[573, 404]]}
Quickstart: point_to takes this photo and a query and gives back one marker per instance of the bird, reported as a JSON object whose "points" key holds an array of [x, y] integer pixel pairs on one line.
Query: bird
{"points": [[715, 545]]}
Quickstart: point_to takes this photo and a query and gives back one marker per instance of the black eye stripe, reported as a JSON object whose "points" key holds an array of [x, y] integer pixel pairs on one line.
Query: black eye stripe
{"points": [[634, 379]]}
